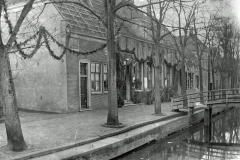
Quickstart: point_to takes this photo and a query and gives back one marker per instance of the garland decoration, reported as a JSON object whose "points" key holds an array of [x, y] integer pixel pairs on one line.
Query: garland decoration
{"points": [[43, 33], [73, 51], [51, 52], [24, 43], [34, 51]]}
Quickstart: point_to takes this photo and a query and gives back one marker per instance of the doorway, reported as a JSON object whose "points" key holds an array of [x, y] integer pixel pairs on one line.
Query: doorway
{"points": [[84, 85], [84, 92]]}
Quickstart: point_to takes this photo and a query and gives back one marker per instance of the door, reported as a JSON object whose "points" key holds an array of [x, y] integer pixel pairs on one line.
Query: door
{"points": [[83, 85], [84, 92]]}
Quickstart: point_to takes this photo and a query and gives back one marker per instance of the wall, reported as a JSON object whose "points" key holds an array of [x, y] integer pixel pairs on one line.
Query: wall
{"points": [[40, 82], [98, 100]]}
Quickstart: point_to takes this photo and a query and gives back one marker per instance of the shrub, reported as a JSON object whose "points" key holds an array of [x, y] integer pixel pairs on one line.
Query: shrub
{"points": [[136, 98], [166, 94], [137, 84], [150, 96]]}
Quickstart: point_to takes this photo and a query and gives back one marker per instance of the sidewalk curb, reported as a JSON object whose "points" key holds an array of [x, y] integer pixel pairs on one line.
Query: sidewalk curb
{"points": [[76, 144]]}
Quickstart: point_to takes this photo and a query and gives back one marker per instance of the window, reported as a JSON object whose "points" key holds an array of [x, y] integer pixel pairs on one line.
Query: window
{"points": [[197, 81], [83, 69], [96, 76], [189, 80], [139, 80], [105, 76]]}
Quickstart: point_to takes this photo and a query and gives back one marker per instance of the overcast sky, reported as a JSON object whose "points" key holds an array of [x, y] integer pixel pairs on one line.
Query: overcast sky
{"points": [[232, 8]]}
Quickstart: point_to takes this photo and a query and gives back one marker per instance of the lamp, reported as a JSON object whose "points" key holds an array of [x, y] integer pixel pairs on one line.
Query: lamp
{"points": [[124, 62]]}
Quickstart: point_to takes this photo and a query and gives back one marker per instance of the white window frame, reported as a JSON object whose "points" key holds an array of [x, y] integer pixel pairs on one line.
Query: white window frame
{"points": [[101, 78]]}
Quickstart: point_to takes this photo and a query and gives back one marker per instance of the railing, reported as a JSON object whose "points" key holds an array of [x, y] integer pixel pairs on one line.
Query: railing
{"points": [[201, 99]]}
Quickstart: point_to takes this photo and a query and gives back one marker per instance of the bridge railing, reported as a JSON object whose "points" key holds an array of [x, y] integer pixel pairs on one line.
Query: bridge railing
{"points": [[203, 98]]}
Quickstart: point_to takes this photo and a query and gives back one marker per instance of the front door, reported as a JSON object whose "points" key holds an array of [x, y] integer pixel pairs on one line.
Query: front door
{"points": [[83, 85], [84, 92]]}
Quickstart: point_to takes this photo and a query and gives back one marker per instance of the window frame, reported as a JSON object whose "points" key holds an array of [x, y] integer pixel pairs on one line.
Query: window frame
{"points": [[100, 77], [103, 73]]}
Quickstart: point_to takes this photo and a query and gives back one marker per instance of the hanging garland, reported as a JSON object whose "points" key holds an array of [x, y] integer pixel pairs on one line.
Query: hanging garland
{"points": [[34, 51], [70, 50], [51, 52], [24, 43], [43, 33]]}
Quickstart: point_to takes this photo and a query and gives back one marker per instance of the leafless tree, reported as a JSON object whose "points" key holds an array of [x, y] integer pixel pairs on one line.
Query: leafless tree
{"points": [[185, 12], [156, 11], [203, 25], [15, 137]]}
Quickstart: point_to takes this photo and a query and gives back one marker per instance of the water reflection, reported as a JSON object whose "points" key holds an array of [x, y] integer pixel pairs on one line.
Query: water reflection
{"points": [[193, 144]]}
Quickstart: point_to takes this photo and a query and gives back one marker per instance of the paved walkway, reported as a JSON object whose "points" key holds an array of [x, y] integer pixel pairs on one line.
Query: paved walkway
{"points": [[45, 131]]}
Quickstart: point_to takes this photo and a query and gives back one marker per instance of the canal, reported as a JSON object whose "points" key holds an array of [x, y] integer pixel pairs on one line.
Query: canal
{"points": [[193, 144]]}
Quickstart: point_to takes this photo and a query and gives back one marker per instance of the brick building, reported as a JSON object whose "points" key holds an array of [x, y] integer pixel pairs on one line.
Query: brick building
{"points": [[79, 83]]}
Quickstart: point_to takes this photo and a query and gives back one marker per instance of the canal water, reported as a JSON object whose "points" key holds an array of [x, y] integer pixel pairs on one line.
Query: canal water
{"points": [[193, 143]]}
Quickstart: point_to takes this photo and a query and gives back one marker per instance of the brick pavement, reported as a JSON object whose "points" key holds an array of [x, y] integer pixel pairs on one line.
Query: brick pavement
{"points": [[45, 131]]}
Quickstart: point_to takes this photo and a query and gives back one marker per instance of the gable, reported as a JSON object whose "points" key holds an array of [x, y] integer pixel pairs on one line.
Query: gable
{"points": [[81, 20]]}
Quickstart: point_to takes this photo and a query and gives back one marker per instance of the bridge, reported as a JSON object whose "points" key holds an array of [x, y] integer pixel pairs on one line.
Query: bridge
{"points": [[205, 100]]}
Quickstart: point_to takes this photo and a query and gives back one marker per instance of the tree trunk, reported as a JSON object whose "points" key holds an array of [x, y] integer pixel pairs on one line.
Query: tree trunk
{"points": [[200, 79], [157, 81], [213, 79], [112, 118], [209, 78], [232, 77], [176, 74], [223, 82], [12, 122], [183, 77]]}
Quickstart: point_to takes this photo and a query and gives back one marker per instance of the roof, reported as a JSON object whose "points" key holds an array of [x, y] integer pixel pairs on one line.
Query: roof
{"points": [[81, 20]]}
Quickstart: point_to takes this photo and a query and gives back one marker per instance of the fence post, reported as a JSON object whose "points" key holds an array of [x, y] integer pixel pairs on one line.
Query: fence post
{"points": [[206, 99], [189, 108], [226, 96], [208, 123]]}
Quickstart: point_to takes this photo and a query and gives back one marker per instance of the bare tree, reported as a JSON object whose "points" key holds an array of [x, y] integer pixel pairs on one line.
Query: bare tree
{"points": [[185, 12], [8, 96], [213, 46], [228, 39], [203, 25], [157, 15], [15, 137]]}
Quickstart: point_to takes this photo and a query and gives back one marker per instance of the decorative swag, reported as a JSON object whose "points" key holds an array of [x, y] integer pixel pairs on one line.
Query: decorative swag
{"points": [[144, 51]]}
